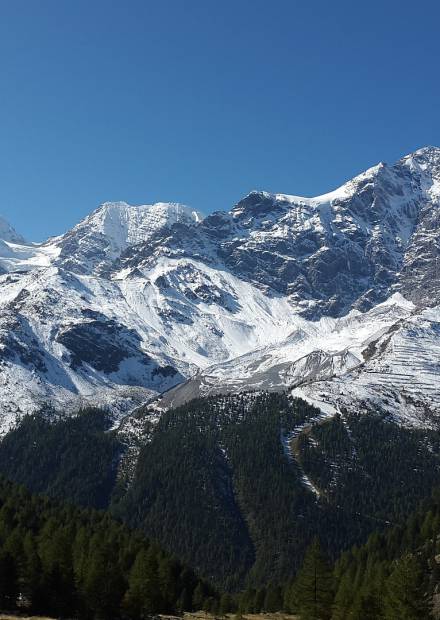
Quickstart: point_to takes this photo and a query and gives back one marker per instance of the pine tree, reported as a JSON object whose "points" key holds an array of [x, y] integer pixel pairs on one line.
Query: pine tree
{"points": [[168, 576], [32, 575], [406, 596], [66, 562], [343, 597], [211, 606], [259, 600], [8, 581], [226, 604], [198, 598], [366, 606], [143, 596], [273, 601], [184, 602], [103, 585], [314, 585], [55, 552], [80, 553]]}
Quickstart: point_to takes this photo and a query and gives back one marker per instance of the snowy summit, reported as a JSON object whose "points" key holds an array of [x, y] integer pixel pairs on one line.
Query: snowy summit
{"points": [[335, 294]]}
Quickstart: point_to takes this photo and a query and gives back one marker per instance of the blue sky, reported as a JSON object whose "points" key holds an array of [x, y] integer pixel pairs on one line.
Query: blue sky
{"points": [[201, 101]]}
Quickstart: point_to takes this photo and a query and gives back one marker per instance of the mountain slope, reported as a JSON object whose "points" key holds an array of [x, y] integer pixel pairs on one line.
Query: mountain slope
{"points": [[387, 358], [66, 562], [327, 254], [236, 485], [134, 300]]}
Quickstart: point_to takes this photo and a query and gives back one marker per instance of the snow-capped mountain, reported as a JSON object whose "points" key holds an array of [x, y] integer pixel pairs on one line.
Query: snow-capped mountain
{"points": [[7, 233], [100, 238], [350, 248], [280, 291], [387, 358]]}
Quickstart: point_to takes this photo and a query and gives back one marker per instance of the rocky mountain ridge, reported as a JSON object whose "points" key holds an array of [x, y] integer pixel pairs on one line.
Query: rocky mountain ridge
{"points": [[134, 300]]}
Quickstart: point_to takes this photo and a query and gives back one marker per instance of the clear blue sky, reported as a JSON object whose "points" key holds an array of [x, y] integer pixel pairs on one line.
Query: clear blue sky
{"points": [[200, 101]]}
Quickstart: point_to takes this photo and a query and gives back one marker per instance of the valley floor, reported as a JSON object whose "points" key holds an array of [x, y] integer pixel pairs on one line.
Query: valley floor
{"points": [[20, 617], [261, 616], [187, 616]]}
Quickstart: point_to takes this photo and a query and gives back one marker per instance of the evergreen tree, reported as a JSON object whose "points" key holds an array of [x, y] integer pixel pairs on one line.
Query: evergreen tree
{"points": [[32, 576], [406, 596], [226, 605], [366, 606], [210, 605], [246, 603], [55, 553], [67, 562], [314, 585], [259, 600], [343, 598], [169, 583], [198, 598], [184, 602], [273, 601], [103, 584], [8, 581], [143, 596]]}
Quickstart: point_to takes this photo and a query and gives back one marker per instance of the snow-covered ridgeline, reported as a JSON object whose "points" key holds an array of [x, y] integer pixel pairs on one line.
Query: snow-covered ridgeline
{"points": [[328, 296]]}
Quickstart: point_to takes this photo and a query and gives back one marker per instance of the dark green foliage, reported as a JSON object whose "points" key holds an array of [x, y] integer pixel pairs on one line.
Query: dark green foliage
{"points": [[221, 481], [143, 596], [312, 591], [66, 562], [406, 590], [215, 486], [8, 581], [395, 574], [74, 458], [227, 604], [386, 470], [182, 495], [273, 600], [219, 463]]}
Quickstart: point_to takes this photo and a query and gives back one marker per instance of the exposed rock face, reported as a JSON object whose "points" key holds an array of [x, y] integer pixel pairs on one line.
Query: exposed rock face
{"points": [[350, 248], [100, 342], [133, 300], [100, 238]]}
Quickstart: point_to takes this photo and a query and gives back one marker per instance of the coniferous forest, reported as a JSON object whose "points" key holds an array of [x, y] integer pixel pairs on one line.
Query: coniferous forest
{"points": [[257, 494], [60, 560], [395, 575], [224, 483]]}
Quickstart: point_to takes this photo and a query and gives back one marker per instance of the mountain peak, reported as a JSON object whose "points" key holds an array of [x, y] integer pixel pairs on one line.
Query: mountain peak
{"points": [[108, 231], [123, 211], [7, 233], [426, 150], [126, 224], [428, 155]]}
